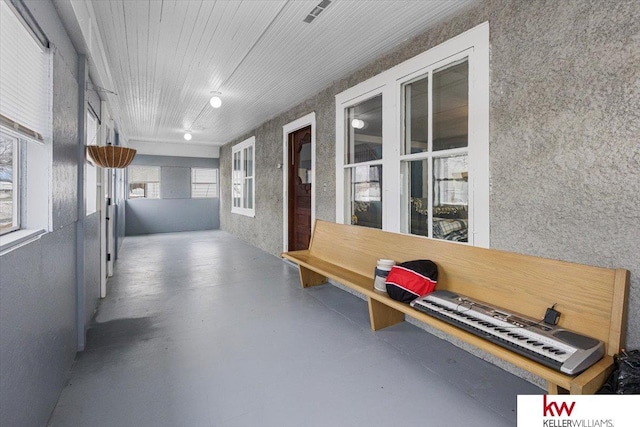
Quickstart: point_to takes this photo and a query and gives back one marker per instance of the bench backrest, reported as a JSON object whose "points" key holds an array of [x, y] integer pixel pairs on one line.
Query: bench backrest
{"points": [[592, 300]]}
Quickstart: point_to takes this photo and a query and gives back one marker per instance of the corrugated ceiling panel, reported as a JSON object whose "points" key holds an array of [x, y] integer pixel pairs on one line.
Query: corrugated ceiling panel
{"points": [[167, 56]]}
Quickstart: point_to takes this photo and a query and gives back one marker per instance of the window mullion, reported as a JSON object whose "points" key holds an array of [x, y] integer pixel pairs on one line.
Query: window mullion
{"points": [[430, 111], [430, 153]]}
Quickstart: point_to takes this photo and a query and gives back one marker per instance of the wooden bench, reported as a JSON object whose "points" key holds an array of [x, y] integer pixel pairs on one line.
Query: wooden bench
{"points": [[592, 300]]}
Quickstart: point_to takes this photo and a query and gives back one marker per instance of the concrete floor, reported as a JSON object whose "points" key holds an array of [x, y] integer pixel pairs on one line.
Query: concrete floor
{"points": [[201, 329]]}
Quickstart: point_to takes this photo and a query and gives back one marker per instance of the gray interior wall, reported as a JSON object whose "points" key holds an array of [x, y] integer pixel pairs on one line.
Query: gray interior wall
{"points": [[38, 304], [175, 210], [148, 216], [564, 120], [175, 182]]}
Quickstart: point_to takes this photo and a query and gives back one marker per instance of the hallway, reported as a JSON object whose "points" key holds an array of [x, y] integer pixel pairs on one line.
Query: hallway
{"points": [[202, 329]]}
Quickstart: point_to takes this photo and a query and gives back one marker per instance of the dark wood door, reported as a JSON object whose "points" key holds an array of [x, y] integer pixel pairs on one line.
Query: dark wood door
{"points": [[300, 189]]}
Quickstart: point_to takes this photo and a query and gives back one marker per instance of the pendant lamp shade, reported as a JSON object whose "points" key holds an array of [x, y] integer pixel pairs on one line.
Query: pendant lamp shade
{"points": [[111, 156]]}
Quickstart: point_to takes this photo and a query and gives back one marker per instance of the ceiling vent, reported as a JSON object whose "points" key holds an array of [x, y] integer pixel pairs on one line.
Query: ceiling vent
{"points": [[317, 11]]}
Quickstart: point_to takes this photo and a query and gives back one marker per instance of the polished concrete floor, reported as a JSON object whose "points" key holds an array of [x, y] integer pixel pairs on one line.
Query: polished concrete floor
{"points": [[201, 329]]}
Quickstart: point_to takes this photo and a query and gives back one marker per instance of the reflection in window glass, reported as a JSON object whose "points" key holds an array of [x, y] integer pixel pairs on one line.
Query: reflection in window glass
{"points": [[364, 131], [144, 182], [417, 175], [451, 106], [236, 180], [204, 183], [366, 196], [9, 199], [451, 198], [304, 169], [416, 116]]}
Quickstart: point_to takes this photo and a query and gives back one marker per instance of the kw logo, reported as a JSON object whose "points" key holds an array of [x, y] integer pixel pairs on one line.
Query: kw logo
{"points": [[553, 410]]}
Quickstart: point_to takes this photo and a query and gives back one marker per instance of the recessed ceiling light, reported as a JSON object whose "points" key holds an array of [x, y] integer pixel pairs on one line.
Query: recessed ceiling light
{"points": [[187, 136]]}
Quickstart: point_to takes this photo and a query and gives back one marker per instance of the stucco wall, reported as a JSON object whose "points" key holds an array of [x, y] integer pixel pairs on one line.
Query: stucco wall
{"points": [[564, 126]]}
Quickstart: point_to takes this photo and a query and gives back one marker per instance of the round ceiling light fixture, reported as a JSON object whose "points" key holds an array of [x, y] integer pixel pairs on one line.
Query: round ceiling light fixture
{"points": [[215, 100], [187, 136]]}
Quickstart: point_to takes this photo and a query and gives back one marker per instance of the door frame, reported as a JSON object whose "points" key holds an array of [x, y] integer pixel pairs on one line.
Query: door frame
{"points": [[302, 122]]}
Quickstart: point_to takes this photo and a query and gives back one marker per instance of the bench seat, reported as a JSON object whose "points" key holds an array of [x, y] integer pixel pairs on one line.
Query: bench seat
{"points": [[348, 254]]}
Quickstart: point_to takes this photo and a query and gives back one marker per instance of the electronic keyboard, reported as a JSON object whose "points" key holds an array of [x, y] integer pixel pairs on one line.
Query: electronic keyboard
{"points": [[552, 346]]}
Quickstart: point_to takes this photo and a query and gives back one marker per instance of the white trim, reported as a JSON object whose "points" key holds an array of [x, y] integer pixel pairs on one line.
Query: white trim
{"points": [[239, 148], [161, 148], [473, 44], [344, 100], [15, 239], [304, 121]]}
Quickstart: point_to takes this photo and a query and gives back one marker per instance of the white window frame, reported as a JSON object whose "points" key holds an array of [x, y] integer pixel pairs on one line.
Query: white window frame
{"points": [[214, 183], [91, 173], [473, 44], [15, 181], [242, 149], [302, 122], [26, 114]]}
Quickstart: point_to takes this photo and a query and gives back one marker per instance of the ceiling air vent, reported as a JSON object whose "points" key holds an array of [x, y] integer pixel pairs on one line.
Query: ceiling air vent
{"points": [[317, 11]]}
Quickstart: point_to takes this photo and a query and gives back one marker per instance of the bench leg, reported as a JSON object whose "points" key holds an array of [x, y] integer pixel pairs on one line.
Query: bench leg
{"points": [[382, 315], [556, 389], [310, 278]]}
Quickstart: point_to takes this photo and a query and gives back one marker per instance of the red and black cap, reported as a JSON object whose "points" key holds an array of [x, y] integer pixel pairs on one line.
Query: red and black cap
{"points": [[412, 279]]}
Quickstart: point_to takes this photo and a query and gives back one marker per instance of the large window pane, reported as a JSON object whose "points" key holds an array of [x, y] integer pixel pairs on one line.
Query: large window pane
{"points": [[366, 196], [364, 131], [416, 116], [248, 193], [248, 158], [144, 182], [451, 198], [451, 107], [9, 207], [417, 181], [236, 180]]}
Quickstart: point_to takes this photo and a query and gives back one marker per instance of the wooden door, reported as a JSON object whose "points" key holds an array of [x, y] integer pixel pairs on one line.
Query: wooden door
{"points": [[300, 189]]}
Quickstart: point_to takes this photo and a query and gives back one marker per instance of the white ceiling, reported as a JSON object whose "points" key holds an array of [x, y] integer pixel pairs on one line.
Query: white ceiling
{"points": [[164, 58]]}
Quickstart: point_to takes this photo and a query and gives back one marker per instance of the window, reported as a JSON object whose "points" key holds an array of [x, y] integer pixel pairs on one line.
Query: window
{"points": [[25, 128], [364, 161], [242, 180], [430, 176], [434, 160], [91, 180], [9, 185], [144, 182], [204, 183]]}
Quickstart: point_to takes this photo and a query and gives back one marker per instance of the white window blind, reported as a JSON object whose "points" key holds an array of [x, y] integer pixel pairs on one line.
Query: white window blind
{"points": [[144, 174], [204, 183], [25, 103]]}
